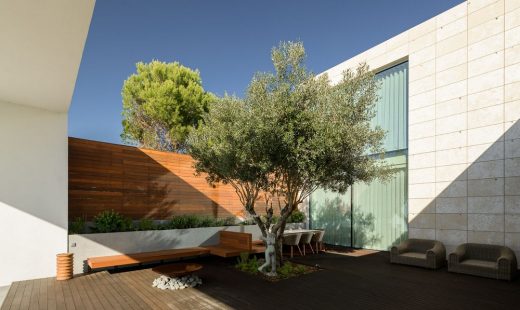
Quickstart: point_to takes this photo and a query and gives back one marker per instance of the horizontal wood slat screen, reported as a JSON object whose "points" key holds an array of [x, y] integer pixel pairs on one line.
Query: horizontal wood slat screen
{"points": [[141, 183]]}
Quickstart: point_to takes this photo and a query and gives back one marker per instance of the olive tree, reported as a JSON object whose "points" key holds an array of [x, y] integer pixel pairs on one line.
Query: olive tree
{"points": [[226, 146], [292, 133]]}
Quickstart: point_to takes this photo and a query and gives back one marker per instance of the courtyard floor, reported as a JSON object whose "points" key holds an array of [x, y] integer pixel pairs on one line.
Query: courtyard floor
{"points": [[357, 280]]}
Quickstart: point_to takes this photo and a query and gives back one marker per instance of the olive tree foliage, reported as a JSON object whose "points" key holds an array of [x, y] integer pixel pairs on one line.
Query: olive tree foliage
{"points": [[226, 148], [293, 132], [162, 103]]}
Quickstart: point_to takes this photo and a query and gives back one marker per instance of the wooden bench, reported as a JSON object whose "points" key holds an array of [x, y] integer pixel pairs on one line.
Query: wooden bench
{"points": [[145, 257], [233, 244]]}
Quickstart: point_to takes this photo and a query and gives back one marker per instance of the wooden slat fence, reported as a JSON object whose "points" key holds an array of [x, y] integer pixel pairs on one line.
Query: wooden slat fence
{"points": [[141, 183]]}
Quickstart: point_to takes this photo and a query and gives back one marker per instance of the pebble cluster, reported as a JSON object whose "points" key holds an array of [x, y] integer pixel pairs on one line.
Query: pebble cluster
{"points": [[167, 283]]}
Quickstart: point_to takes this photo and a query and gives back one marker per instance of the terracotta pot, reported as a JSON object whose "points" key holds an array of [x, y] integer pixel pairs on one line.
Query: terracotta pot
{"points": [[64, 269]]}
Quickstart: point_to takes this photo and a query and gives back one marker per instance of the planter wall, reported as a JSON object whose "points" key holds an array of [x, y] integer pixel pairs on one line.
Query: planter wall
{"points": [[92, 245], [296, 226]]}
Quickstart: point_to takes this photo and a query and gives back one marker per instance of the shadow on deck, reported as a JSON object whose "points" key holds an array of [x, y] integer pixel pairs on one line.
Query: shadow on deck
{"points": [[355, 282]]}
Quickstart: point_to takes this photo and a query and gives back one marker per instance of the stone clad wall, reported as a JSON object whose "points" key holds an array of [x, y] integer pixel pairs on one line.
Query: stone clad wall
{"points": [[464, 134]]}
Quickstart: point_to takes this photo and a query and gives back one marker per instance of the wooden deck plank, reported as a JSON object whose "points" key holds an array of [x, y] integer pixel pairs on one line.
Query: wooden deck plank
{"points": [[51, 294], [26, 297], [366, 282], [67, 294], [78, 295], [145, 280], [98, 300], [87, 295], [103, 289], [105, 298], [60, 296], [208, 302], [133, 301], [17, 301], [146, 302], [189, 298], [108, 288], [134, 284], [145, 286], [10, 296], [42, 294], [35, 294]]}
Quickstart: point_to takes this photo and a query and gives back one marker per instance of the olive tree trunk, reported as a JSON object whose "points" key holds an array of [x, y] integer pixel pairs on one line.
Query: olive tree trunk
{"points": [[277, 231]]}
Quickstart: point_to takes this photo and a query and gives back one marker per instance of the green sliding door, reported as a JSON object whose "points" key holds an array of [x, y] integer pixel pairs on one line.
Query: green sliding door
{"points": [[373, 215], [331, 211], [380, 209]]}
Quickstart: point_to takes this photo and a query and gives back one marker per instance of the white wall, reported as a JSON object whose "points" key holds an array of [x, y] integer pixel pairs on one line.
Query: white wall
{"points": [[33, 191], [40, 53]]}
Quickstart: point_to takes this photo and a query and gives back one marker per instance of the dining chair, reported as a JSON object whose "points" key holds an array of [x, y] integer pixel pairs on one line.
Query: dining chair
{"points": [[306, 240], [317, 240], [292, 240]]}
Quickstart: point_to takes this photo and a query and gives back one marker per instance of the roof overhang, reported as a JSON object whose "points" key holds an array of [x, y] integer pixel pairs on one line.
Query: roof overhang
{"points": [[41, 44]]}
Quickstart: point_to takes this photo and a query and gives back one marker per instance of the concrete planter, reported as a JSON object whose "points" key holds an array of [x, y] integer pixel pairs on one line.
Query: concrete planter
{"points": [[92, 245], [289, 226]]}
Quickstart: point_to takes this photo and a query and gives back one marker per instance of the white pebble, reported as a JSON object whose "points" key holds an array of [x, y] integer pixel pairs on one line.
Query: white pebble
{"points": [[164, 282]]}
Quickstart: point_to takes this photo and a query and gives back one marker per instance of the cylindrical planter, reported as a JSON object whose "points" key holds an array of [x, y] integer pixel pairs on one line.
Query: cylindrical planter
{"points": [[64, 266]]}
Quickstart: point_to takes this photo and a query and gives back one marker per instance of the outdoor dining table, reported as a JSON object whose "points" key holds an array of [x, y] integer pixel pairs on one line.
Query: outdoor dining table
{"points": [[303, 232], [299, 231]]}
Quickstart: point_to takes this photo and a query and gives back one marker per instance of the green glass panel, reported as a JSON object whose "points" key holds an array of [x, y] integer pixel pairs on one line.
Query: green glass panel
{"points": [[380, 212], [331, 211], [380, 209], [391, 107]]}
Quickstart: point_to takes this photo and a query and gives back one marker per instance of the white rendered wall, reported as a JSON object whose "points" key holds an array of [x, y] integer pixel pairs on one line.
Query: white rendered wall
{"points": [[464, 129], [33, 191]]}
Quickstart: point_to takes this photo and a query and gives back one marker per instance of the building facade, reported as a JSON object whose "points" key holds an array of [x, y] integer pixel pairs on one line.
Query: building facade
{"points": [[373, 215], [462, 148], [42, 45]]}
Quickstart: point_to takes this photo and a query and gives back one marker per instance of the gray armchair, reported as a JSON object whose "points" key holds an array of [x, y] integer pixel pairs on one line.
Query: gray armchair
{"points": [[419, 252], [485, 260]]}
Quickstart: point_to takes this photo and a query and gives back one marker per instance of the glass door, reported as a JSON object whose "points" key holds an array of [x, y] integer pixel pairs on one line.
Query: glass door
{"points": [[332, 212]]}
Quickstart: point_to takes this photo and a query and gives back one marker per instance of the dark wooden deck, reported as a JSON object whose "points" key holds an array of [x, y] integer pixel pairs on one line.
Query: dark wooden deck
{"points": [[346, 282]]}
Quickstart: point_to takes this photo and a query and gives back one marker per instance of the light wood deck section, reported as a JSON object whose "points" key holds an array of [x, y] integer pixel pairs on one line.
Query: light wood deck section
{"points": [[102, 290]]}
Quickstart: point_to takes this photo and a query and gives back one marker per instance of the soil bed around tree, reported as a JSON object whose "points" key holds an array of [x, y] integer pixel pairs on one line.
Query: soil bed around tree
{"points": [[250, 264]]}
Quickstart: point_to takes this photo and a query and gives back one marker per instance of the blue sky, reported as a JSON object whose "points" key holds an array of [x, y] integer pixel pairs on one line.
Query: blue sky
{"points": [[228, 41]]}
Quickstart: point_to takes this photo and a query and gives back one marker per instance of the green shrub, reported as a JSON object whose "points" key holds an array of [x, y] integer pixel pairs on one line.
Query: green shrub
{"points": [[289, 269], [249, 221], [228, 221], [111, 221], [146, 224], [162, 226], [247, 264], [207, 222], [296, 217], [77, 226], [274, 219], [250, 265], [184, 222]]}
